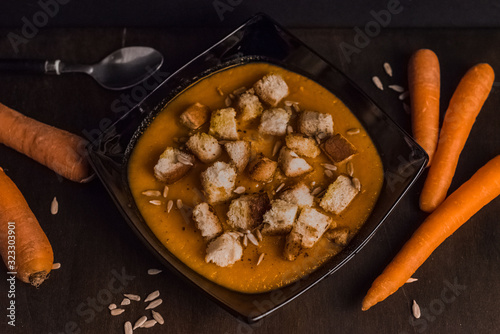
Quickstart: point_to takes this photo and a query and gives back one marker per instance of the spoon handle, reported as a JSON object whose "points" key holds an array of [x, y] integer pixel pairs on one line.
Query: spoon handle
{"points": [[30, 66]]}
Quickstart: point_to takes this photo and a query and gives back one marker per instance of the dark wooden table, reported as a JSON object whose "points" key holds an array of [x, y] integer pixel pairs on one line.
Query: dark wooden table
{"points": [[458, 287]]}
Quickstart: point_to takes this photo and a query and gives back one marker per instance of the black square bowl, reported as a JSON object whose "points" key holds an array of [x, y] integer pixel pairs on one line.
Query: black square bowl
{"points": [[259, 39]]}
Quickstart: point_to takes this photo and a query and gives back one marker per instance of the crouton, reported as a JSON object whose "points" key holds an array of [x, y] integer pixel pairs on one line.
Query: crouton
{"points": [[279, 219], [204, 146], [249, 107], [173, 165], [291, 164], [299, 195], [195, 116], [306, 231], [206, 221], [218, 182], [239, 153], [338, 148], [274, 122], [245, 212], [339, 235], [339, 195], [302, 145], [225, 250], [271, 89], [315, 124], [262, 169], [223, 124]]}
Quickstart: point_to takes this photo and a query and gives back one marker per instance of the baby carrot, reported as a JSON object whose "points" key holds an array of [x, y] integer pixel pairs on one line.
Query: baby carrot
{"points": [[478, 191], [424, 86], [57, 149], [464, 107], [24, 246]]}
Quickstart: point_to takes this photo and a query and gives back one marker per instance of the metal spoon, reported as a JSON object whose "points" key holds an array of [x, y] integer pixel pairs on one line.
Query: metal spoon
{"points": [[122, 69]]}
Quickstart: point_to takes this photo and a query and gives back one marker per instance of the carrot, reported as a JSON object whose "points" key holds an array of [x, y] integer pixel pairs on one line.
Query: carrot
{"points": [[57, 149], [24, 246], [464, 107], [478, 191], [424, 86]]}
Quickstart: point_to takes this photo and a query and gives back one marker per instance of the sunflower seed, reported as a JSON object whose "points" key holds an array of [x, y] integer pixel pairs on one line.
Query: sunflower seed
{"points": [[378, 83], [157, 316], [219, 90], [152, 296], [155, 202], [54, 206], [328, 173], [228, 101], [293, 154], [111, 307], [128, 328], [56, 266], [288, 103], [404, 95], [406, 108], [259, 235], [296, 107], [353, 131], [165, 191], [125, 301], [388, 69], [288, 110], [289, 129], [183, 160], [154, 304], [261, 257], [330, 167], [179, 204], [411, 280], [140, 322], [280, 187], [132, 297], [238, 233], [415, 310], [240, 190], [276, 147], [322, 135], [252, 239], [149, 324], [231, 95], [117, 311], [356, 183], [238, 91], [170, 205], [316, 191], [151, 193], [154, 271], [349, 168], [245, 241], [397, 88]]}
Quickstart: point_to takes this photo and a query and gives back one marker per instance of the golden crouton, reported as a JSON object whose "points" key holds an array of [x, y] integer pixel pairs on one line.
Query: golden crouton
{"points": [[204, 146], [338, 148], [223, 124], [339, 195], [195, 116], [271, 89], [173, 165], [302, 145], [246, 212], [206, 221], [262, 169]]}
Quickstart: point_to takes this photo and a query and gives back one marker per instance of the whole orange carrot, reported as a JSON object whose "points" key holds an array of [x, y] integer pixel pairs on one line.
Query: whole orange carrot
{"points": [[464, 107], [24, 246], [424, 87], [57, 149], [478, 191]]}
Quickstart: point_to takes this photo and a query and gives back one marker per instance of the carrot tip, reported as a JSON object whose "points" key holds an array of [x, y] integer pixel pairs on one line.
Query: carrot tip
{"points": [[38, 278]]}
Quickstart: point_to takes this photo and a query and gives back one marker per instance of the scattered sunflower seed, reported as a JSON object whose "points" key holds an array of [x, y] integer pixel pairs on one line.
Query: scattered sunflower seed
{"points": [[388, 69], [152, 296], [328, 173], [252, 239], [125, 301], [149, 324], [406, 108], [280, 187], [322, 135], [151, 193], [219, 90], [56, 265], [330, 167], [183, 160], [404, 95], [117, 311], [154, 271], [240, 190], [288, 110], [293, 154], [415, 309], [411, 280], [289, 129], [396, 88], [356, 183], [349, 168], [54, 206], [157, 316], [165, 191], [111, 307], [259, 235], [128, 328], [276, 147], [170, 205], [238, 233], [179, 204], [296, 107], [231, 95], [316, 191], [288, 103], [378, 83], [154, 304], [353, 131], [155, 202], [238, 91], [140, 322], [261, 257], [245, 241], [132, 297], [228, 101]]}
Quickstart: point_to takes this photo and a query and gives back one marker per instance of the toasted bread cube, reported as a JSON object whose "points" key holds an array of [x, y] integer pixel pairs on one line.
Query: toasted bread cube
{"points": [[291, 164], [338, 148], [246, 212], [223, 124], [204, 146], [249, 107], [173, 165], [316, 124], [225, 250], [279, 219], [274, 122], [207, 221], [339, 235], [239, 153], [339, 195], [299, 195], [271, 89], [195, 116], [218, 182], [306, 231], [302, 145], [262, 169]]}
